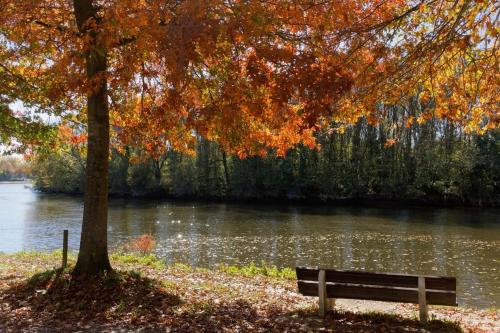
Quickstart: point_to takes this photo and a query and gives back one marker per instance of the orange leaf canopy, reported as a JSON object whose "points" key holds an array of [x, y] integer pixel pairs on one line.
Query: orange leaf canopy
{"points": [[257, 75]]}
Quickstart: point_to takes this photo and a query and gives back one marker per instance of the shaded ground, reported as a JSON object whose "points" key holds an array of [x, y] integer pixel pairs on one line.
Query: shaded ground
{"points": [[146, 296]]}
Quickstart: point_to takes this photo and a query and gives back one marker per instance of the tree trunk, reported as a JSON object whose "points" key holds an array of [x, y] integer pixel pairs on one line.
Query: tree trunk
{"points": [[157, 166], [226, 173], [93, 255]]}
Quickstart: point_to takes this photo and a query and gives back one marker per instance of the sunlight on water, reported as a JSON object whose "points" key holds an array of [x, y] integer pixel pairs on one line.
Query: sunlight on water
{"points": [[458, 242]]}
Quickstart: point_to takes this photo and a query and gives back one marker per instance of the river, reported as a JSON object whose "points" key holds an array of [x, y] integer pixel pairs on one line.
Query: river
{"points": [[464, 243]]}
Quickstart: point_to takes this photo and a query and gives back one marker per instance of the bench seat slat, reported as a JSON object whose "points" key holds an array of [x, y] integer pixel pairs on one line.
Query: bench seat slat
{"points": [[377, 279], [386, 294]]}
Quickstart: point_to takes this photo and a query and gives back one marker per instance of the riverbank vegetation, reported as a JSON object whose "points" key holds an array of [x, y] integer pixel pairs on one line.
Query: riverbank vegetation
{"points": [[144, 293], [14, 168], [435, 162]]}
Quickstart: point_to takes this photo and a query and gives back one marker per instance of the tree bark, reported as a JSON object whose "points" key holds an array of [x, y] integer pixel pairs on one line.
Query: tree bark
{"points": [[226, 173], [93, 255]]}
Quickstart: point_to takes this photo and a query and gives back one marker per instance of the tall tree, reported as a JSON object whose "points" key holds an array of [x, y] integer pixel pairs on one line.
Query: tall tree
{"points": [[93, 255], [253, 76]]}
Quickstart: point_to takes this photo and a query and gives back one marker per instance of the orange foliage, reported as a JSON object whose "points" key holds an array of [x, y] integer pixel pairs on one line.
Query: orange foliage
{"points": [[389, 143], [144, 244], [68, 135], [258, 75]]}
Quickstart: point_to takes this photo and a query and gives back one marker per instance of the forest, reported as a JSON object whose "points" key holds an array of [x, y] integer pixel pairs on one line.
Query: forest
{"points": [[435, 162]]}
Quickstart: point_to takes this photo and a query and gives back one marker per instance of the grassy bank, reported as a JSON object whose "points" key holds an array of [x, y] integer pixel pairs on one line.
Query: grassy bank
{"points": [[144, 293]]}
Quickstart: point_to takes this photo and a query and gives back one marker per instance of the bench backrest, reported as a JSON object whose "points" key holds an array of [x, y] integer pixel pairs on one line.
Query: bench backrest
{"points": [[378, 286]]}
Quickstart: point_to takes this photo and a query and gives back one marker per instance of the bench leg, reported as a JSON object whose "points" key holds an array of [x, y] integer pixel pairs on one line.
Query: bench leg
{"points": [[323, 298], [422, 299], [330, 304]]}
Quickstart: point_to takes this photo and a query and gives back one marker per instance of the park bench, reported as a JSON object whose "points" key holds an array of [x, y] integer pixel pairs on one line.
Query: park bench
{"points": [[329, 284]]}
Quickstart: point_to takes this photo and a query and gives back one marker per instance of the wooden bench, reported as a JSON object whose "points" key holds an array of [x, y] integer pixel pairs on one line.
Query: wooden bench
{"points": [[329, 284]]}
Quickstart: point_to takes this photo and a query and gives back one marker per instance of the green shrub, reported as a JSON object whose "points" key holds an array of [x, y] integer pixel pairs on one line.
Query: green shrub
{"points": [[132, 258], [264, 269]]}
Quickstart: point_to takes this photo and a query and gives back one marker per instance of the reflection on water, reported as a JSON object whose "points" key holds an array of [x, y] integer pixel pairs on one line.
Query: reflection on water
{"points": [[455, 242]]}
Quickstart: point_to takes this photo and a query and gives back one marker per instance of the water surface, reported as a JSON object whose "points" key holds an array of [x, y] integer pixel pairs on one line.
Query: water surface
{"points": [[457, 242]]}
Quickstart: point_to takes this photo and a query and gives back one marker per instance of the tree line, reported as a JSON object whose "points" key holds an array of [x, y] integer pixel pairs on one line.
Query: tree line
{"points": [[432, 162], [14, 168]]}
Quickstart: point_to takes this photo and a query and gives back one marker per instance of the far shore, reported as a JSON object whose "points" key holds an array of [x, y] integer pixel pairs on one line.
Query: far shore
{"points": [[16, 181], [371, 202]]}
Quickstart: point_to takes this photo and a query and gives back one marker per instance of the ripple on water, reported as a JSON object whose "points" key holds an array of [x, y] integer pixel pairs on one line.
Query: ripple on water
{"points": [[461, 243]]}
